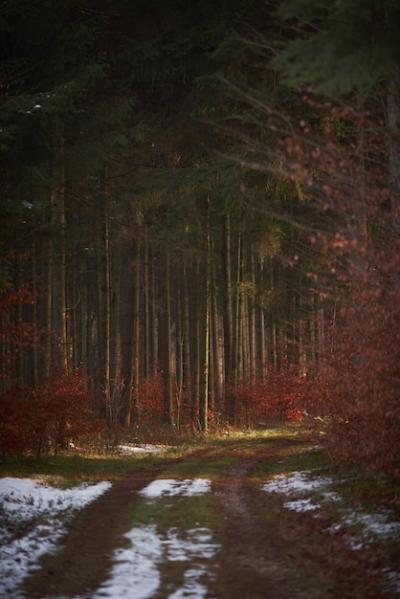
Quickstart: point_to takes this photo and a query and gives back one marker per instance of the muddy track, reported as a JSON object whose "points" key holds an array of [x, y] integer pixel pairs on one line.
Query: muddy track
{"points": [[266, 552], [88, 546], [272, 554]]}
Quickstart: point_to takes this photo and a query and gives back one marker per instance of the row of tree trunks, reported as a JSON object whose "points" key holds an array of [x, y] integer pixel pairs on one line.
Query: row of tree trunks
{"points": [[121, 304]]}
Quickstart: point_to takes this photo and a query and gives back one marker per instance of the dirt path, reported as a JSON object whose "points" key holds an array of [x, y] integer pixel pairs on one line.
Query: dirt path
{"points": [[265, 551], [90, 541], [270, 553]]}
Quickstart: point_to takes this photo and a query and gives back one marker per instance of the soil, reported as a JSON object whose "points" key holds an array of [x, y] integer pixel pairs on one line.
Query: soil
{"points": [[272, 553], [266, 552]]}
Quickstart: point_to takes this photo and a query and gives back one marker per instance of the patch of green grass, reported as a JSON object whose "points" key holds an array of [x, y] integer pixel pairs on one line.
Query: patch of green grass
{"points": [[182, 513], [71, 469], [206, 467], [292, 459], [76, 468], [152, 512], [370, 489], [357, 485]]}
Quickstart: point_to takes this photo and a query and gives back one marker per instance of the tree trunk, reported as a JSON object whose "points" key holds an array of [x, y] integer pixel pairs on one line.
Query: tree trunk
{"points": [[133, 408], [204, 398], [393, 121], [62, 299], [170, 346]]}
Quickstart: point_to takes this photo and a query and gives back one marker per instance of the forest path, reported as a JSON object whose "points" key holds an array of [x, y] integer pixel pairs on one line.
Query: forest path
{"points": [[235, 541]]}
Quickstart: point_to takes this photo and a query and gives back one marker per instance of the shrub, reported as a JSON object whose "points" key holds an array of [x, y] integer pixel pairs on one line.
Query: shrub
{"points": [[46, 417]]}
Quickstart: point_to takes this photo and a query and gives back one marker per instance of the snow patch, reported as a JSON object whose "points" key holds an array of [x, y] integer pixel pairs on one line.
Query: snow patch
{"points": [[296, 482], [171, 487], [130, 449], [32, 517], [376, 524], [28, 498], [362, 529], [136, 573], [301, 505], [192, 588], [331, 496], [393, 580]]}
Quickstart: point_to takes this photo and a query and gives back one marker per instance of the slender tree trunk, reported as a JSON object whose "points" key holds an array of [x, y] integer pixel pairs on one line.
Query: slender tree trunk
{"points": [[133, 409], [84, 314], [62, 308], [197, 370], [19, 322], [48, 360], [170, 349], [154, 317], [228, 321], [239, 315], [204, 398], [117, 378], [263, 345], [35, 316], [186, 333], [107, 318], [253, 332], [274, 331], [393, 121], [180, 349], [218, 342], [147, 348]]}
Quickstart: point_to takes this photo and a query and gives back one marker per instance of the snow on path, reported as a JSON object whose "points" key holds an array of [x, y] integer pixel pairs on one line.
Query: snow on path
{"points": [[302, 484], [296, 482], [32, 517], [361, 528], [136, 573], [136, 570], [171, 487]]}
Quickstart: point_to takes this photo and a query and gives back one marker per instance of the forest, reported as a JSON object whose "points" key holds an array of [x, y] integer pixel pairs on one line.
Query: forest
{"points": [[199, 299], [200, 221]]}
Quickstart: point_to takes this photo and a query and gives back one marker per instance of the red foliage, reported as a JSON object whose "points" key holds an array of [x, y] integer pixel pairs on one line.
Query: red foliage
{"points": [[355, 190], [279, 396], [16, 422], [15, 334], [150, 399], [46, 417], [357, 388]]}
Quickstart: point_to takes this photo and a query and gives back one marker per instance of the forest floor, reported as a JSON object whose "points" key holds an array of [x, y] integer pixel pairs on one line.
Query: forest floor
{"points": [[249, 516]]}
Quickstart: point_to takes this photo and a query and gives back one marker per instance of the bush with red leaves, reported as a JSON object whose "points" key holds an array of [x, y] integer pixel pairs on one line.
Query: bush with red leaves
{"points": [[150, 399], [357, 388], [46, 417], [279, 396]]}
